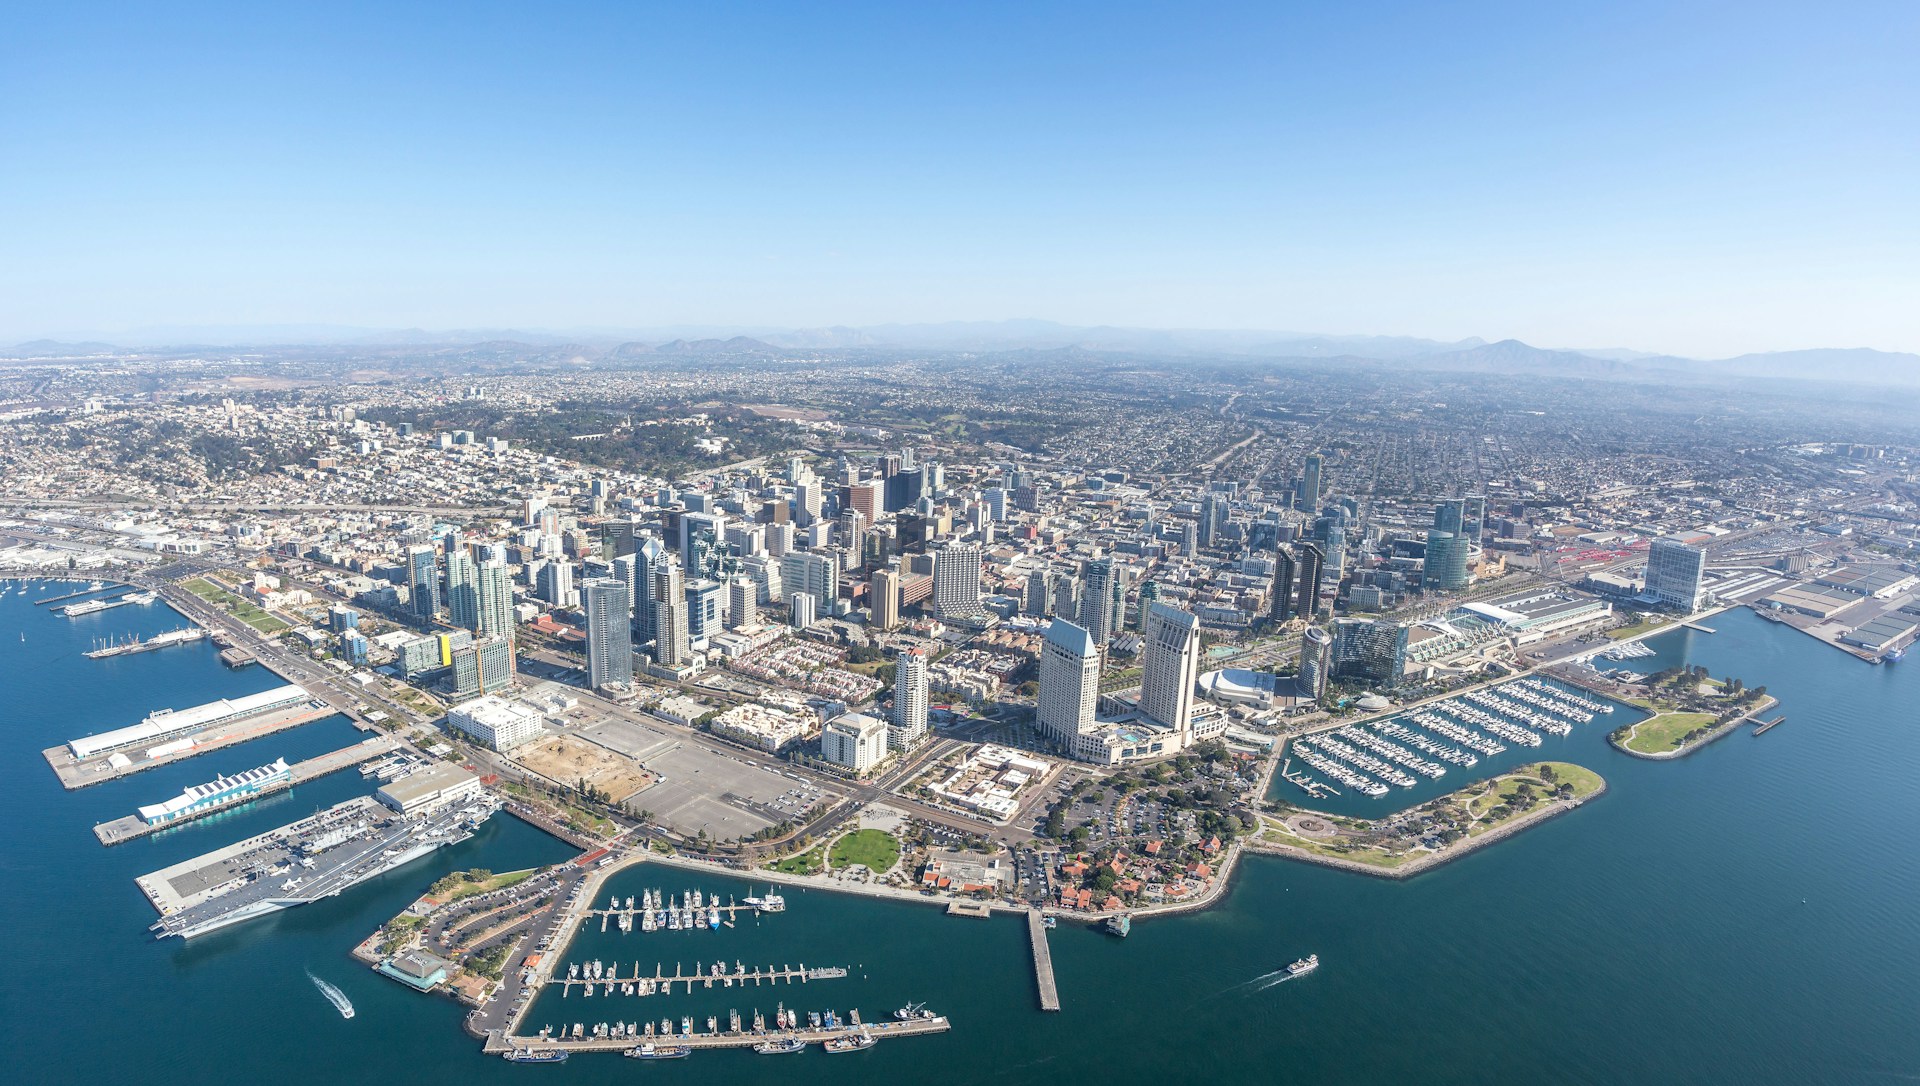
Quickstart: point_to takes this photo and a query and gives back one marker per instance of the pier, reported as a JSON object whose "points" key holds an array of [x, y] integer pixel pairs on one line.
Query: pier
{"points": [[629, 919], [121, 830], [1042, 961], [660, 983], [500, 1045], [1763, 725], [79, 594], [76, 773]]}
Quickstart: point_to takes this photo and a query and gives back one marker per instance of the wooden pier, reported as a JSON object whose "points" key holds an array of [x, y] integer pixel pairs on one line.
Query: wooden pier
{"points": [[1765, 724], [1042, 961], [659, 982], [880, 1031], [121, 830]]}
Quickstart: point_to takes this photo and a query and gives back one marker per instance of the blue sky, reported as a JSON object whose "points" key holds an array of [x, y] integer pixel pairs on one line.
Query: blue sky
{"points": [[1703, 179]]}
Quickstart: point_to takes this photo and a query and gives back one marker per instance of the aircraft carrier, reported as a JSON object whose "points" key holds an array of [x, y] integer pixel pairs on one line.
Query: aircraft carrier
{"points": [[316, 857]]}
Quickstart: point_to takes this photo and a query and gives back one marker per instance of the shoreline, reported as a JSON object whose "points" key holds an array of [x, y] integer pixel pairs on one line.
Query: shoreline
{"points": [[1718, 731]]}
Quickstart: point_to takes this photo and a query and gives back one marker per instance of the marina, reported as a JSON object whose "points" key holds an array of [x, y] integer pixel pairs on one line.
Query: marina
{"points": [[93, 588], [818, 1027], [225, 793], [690, 911], [596, 976]]}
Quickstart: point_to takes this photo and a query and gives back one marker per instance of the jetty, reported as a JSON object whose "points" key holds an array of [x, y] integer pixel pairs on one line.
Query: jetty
{"points": [[1763, 725], [132, 826], [80, 594], [611, 982], [1042, 961]]}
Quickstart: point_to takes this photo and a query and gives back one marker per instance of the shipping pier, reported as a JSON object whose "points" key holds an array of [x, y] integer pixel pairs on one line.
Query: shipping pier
{"points": [[167, 736], [627, 1035], [1042, 961], [592, 977], [121, 830]]}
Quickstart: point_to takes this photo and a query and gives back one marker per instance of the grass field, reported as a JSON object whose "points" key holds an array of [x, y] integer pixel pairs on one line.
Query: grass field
{"points": [[465, 887], [241, 609], [877, 850], [1657, 735], [1638, 628], [806, 863]]}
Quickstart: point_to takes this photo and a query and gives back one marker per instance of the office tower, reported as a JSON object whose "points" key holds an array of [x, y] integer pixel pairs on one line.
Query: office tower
{"points": [[671, 646], [802, 609], [779, 538], [1446, 565], [1310, 482], [1369, 650], [1189, 539], [909, 700], [1280, 597], [341, 618], [648, 559], [1066, 596], [623, 567], [808, 495], [608, 602], [743, 603], [493, 596], [556, 583], [706, 607], [1474, 519], [702, 537], [463, 590], [864, 498], [423, 583], [1149, 592], [956, 580], [884, 591], [1316, 654], [1096, 600], [1307, 563], [996, 500], [1069, 682], [1213, 517], [483, 667], [1035, 602], [816, 573], [1675, 570], [1449, 516], [1170, 666]]}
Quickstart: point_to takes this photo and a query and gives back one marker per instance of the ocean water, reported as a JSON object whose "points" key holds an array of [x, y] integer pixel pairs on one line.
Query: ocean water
{"points": [[1744, 915]]}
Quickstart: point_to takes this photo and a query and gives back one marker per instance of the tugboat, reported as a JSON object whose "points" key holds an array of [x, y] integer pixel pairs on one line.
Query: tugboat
{"points": [[1119, 924], [1304, 966], [528, 1055], [651, 1051], [784, 1046], [852, 1042]]}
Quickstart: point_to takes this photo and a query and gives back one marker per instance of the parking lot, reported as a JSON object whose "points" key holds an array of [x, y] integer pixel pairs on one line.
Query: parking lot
{"points": [[700, 789]]}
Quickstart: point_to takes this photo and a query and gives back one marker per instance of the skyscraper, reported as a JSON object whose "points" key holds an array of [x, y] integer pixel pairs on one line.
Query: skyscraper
{"points": [[956, 581], [556, 583], [1170, 666], [909, 700], [494, 598], [1069, 682], [743, 603], [1446, 565], [1066, 596], [671, 646], [463, 590], [483, 667], [1316, 652], [1374, 651], [884, 591], [423, 583], [1096, 600], [1310, 482], [1308, 561], [1449, 516], [802, 609], [649, 557], [1034, 602], [1675, 570], [608, 603], [706, 609], [1280, 597]]}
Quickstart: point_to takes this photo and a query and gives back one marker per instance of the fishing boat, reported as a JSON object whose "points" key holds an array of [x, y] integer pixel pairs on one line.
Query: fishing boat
{"points": [[334, 996], [782, 1047], [528, 1055], [652, 1051], [913, 1012], [852, 1042]]}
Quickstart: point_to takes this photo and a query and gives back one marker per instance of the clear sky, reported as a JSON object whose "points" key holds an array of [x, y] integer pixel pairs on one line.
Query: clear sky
{"points": [[1703, 179]]}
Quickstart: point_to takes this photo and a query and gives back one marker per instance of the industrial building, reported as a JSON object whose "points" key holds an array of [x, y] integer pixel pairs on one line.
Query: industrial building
{"points": [[429, 789], [164, 724]]}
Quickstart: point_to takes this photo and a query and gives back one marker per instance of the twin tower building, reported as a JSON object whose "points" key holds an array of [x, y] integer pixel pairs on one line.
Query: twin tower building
{"points": [[1164, 718]]}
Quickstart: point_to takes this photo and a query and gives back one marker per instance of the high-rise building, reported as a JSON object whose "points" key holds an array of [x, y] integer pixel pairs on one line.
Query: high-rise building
{"points": [[956, 581], [608, 602], [463, 590], [1096, 600], [1449, 516], [1474, 520], [1307, 564], [1280, 596], [816, 573], [884, 591], [1675, 572], [1209, 518], [855, 742], [706, 609], [1374, 651], [743, 603], [1069, 682], [648, 559], [671, 646], [802, 609], [423, 583], [1310, 482], [483, 667], [1066, 596], [1170, 666], [1035, 599], [1446, 564], [1316, 655], [556, 583], [909, 700]]}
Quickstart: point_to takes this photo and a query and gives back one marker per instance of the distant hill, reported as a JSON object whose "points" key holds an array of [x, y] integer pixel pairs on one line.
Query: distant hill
{"points": [[1856, 364]]}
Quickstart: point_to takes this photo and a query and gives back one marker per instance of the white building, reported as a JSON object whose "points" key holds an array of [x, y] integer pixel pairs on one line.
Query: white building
{"points": [[496, 722], [1675, 571], [1170, 665], [763, 727], [909, 700], [1069, 682], [854, 741], [956, 580]]}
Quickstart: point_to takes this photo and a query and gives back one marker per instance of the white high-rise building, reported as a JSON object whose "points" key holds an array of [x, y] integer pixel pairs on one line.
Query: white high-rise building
{"points": [[463, 589], [854, 741], [803, 609], [909, 700], [495, 596], [956, 580], [609, 606], [1675, 570], [743, 603], [556, 583], [1170, 666], [1069, 682], [816, 573], [671, 645]]}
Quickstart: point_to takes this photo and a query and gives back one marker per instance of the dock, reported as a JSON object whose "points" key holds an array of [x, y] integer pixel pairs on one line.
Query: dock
{"points": [[1765, 724], [1042, 961], [977, 909], [632, 917], [1697, 626], [237, 657], [79, 594], [659, 982], [500, 1045], [76, 774], [122, 830]]}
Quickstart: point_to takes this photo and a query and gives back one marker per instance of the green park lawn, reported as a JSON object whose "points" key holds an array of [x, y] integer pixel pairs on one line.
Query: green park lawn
{"points": [[876, 850], [1659, 734]]}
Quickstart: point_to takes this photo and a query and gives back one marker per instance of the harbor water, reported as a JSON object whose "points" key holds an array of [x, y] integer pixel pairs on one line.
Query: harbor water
{"points": [[1743, 915]]}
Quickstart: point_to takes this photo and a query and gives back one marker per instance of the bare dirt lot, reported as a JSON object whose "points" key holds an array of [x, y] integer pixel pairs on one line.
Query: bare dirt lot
{"points": [[564, 759]]}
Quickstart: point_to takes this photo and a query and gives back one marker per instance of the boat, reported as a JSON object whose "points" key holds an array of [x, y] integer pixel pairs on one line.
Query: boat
{"points": [[659, 1052], [334, 996], [782, 1047], [1049, 921], [528, 1055], [1119, 924], [913, 1012], [713, 919], [1304, 966], [852, 1042]]}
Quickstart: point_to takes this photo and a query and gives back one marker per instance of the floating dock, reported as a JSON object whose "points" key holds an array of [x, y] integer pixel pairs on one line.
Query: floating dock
{"points": [[121, 830], [660, 982], [1042, 961]]}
